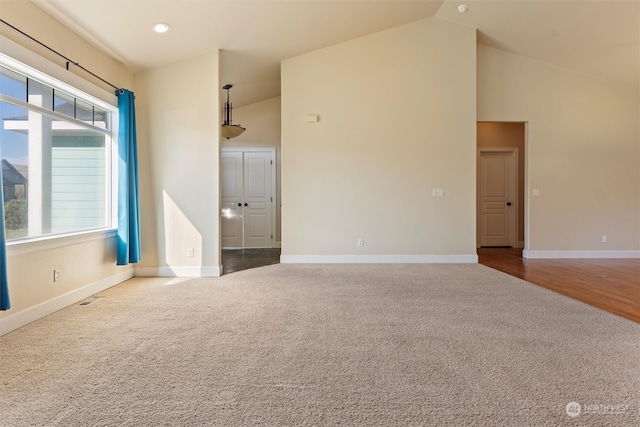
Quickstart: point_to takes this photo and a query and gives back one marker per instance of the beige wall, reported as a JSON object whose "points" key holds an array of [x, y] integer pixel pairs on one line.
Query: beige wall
{"points": [[503, 134], [83, 263], [583, 149], [178, 135], [397, 118], [32, 20], [262, 120]]}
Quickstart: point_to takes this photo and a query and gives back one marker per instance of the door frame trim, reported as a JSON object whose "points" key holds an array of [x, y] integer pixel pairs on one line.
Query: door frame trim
{"points": [[514, 226], [274, 194]]}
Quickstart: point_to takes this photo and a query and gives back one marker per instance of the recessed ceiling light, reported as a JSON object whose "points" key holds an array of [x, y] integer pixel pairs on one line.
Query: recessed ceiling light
{"points": [[161, 27], [462, 8]]}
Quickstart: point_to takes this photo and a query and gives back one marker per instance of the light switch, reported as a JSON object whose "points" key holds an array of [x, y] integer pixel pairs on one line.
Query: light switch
{"points": [[438, 192]]}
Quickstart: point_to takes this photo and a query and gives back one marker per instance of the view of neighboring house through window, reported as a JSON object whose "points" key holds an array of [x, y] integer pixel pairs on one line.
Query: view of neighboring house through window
{"points": [[56, 150]]}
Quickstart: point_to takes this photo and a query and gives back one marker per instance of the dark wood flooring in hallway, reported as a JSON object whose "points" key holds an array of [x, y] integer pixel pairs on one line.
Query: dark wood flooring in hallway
{"points": [[244, 259]]}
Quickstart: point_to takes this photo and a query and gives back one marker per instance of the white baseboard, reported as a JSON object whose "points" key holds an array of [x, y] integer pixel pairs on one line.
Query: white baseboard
{"points": [[579, 254], [31, 314], [379, 259], [213, 271]]}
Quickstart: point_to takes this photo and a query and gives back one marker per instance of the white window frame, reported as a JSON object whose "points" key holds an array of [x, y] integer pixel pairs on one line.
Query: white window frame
{"points": [[28, 63]]}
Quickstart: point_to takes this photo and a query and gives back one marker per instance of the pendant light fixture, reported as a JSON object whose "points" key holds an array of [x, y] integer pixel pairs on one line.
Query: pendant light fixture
{"points": [[229, 130]]}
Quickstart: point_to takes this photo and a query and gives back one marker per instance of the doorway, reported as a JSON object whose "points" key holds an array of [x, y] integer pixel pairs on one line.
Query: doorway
{"points": [[248, 200], [500, 184]]}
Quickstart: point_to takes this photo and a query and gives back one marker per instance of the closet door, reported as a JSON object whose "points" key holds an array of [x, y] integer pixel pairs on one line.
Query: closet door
{"points": [[247, 199], [232, 188], [257, 200]]}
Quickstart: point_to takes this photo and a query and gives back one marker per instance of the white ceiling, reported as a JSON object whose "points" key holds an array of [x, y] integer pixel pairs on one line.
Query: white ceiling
{"points": [[597, 37]]}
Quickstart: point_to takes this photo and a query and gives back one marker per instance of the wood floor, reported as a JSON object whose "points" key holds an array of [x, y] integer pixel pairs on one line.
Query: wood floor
{"points": [[244, 259], [609, 284]]}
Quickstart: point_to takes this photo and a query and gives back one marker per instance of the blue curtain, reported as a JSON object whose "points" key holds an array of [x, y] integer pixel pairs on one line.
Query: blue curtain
{"points": [[4, 281], [128, 198]]}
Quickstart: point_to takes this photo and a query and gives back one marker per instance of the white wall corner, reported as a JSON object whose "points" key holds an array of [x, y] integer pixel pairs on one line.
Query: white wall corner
{"points": [[31, 314]]}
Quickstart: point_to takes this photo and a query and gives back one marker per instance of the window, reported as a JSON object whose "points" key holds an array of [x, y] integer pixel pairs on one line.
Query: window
{"points": [[56, 151]]}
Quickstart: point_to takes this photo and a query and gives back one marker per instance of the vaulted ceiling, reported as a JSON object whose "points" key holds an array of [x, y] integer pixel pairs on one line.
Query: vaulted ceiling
{"points": [[600, 38]]}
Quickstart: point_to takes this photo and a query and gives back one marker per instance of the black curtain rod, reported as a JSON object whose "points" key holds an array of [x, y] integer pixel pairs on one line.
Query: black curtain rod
{"points": [[69, 61]]}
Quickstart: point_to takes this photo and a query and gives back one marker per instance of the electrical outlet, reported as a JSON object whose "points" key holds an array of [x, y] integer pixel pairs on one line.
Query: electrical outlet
{"points": [[605, 239], [190, 252], [360, 243], [438, 192], [57, 275]]}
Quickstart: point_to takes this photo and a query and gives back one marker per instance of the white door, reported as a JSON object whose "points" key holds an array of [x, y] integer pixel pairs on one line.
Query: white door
{"points": [[497, 197], [232, 189], [247, 199], [257, 199]]}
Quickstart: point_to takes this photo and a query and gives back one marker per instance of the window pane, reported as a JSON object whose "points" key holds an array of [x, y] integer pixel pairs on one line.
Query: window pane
{"points": [[40, 94], [13, 84], [64, 104], [55, 174], [101, 118], [78, 180], [84, 111], [14, 149]]}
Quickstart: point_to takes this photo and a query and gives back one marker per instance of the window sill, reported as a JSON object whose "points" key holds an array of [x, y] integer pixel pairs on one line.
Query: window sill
{"points": [[44, 243]]}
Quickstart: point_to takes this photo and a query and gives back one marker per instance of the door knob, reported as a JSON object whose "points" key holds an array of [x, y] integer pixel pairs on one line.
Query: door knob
{"points": [[246, 204], [239, 204], [508, 203]]}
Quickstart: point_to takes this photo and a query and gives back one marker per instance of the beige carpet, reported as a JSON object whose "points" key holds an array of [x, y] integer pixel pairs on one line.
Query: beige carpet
{"points": [[361, 345]]}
